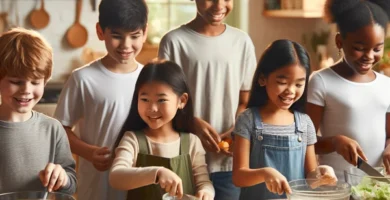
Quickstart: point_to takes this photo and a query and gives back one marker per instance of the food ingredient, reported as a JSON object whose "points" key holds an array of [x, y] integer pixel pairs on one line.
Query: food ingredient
{"points": [[371, 189]]}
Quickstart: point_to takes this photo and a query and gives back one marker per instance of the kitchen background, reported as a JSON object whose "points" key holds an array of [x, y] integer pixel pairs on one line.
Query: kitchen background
{"points": [[264, 20]]}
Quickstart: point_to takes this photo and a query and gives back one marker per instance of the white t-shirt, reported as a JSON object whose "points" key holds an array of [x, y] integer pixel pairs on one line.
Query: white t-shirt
{"points": [[217, 68], [356, 110], [98, 101]]}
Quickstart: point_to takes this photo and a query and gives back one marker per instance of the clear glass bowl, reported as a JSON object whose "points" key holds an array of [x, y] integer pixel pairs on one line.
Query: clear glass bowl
{"points": [[35, 195], [356, 177], [301, 190], [166, 196]]}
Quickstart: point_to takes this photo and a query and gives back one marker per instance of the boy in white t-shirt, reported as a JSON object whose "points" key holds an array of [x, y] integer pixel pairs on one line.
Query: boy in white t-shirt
{"points": [[219, 62], [97, 97]]}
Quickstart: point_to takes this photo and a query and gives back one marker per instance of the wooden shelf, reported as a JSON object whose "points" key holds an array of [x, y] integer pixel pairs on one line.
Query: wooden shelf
{"points": [[293, 13]]}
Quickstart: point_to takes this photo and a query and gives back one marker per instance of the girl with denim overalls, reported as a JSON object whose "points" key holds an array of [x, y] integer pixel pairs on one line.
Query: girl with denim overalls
{"points": [[155, 152], [274, 139]]}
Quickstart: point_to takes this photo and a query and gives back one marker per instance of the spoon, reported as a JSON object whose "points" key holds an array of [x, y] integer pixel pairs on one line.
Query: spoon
{"points": [[45, 195]]}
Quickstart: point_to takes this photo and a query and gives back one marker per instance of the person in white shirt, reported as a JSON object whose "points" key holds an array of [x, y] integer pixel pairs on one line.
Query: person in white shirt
{"points": [[97, 97], [349, 101]]}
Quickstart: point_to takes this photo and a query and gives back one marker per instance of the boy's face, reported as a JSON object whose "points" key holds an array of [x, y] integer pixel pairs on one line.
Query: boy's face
{"points": [[214, 11], [20, 95], [122, 46]]}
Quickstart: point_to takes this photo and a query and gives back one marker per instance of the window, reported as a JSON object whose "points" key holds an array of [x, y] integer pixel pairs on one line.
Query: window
{"points": [[165, 15]]}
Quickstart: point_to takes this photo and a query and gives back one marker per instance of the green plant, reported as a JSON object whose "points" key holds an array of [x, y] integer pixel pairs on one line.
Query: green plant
{"points": [[316, 39]]}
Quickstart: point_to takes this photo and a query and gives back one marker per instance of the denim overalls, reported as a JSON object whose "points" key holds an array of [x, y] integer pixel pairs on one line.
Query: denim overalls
{"points": [[286, 153]]}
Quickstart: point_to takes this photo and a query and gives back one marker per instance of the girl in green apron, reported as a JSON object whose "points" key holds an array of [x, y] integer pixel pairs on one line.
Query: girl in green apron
{"points": [[155, 152]]}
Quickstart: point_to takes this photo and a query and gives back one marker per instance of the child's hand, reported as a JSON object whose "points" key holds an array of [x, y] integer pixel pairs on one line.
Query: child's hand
{"points": [[202, 195], [276, 182], [53, 177], [386, 159], [226, 144], [348, 148], [207, 135], [170, 182], [322, 175], [101, 159]]}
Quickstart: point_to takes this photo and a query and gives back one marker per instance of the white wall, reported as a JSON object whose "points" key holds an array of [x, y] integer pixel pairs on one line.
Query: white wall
{"points": [[62, 16]]}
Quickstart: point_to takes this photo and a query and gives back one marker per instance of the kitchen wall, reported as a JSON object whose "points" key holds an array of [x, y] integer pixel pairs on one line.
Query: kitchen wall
{"points": [[263, 30], [62, 16]]}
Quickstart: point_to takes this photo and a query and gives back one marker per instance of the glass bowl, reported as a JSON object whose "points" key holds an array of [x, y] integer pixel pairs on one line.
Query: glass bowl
{"points": [[35, 195], [301, 190], [166, 196], [366, 187]]}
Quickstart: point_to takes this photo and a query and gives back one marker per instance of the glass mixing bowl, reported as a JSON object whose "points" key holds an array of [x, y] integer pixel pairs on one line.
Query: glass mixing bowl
{"points": [[366, 187], [301, 190], [35, 195]]}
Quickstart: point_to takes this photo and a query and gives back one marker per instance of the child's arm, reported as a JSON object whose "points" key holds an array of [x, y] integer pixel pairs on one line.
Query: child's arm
{"points": [[243, 176], [204, 187], [386, 154], [60, 175], [207, 134], [100, 157], [125, 176], [343, 145]]}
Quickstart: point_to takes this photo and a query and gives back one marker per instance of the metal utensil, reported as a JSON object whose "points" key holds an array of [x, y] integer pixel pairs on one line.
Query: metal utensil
{"points": [[368, 169]]}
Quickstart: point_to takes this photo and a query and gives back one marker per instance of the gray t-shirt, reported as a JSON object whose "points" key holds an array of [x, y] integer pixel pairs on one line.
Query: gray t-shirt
{"points": [[217, 68], [27, 147], [245, 128]]}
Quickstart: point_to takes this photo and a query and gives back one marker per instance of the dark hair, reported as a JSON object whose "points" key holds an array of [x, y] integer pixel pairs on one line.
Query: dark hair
{"points": [[169, 73], [279, 54], [130, 15], [351, 15]]}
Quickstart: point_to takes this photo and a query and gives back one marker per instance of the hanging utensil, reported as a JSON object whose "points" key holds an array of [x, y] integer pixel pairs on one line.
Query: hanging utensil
{"points": [[39, 18], [77, 34]]}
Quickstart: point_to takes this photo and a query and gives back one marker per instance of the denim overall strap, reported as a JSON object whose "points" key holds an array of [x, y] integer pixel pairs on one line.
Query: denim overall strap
{"points": [[284, 153]]}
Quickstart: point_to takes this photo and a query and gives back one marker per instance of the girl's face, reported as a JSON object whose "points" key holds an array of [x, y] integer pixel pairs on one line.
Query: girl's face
{"points": [[214, 11], [363, 48], [284, 86], [158, 104]]}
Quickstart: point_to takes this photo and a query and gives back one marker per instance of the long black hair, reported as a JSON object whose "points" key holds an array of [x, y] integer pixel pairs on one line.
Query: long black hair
{"points": [[351, 15], [169, 73], [279, 54]]}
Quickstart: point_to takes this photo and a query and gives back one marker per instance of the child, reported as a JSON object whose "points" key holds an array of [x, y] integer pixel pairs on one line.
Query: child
{"points": [[34, 152], [218, 61], [98, 96], [349, 101], [273, 137], [159, 148]]}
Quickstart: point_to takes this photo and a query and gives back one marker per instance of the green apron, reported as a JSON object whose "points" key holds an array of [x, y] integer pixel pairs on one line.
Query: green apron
{"points": [[180, 164]]}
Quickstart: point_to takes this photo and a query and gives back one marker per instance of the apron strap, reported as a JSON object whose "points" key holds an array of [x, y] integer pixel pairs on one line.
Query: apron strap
{"points": [[184, 143], [142, 142]]}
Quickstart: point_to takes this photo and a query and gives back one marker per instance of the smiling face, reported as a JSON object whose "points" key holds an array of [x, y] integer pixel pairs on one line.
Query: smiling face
{"points": [[362, 48], [284, 86], [122, 46], [19, 96], [158, 104], [213, 12]]}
